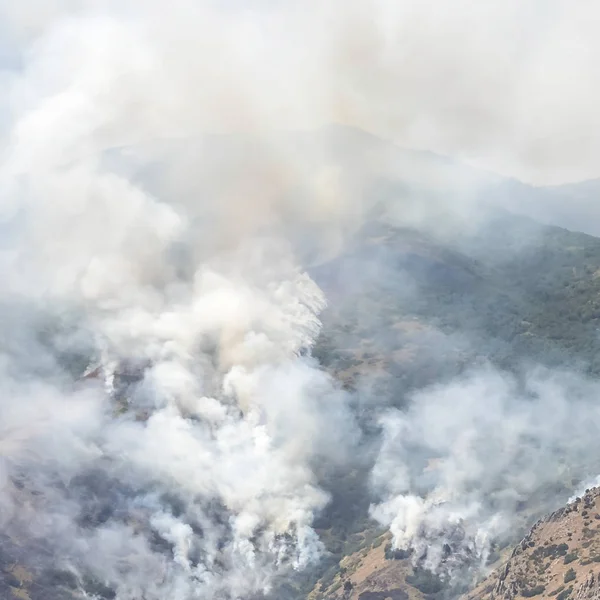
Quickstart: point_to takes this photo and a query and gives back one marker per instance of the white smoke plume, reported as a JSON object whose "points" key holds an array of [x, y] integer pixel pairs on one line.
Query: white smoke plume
{"points": [[196, 479], [458, 469], [226, 420]]}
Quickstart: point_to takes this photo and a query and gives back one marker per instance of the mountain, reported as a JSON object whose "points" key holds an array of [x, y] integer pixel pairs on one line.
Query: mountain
{"points": [[573, 205], [428, 276], [409, 310], [538, 301]]}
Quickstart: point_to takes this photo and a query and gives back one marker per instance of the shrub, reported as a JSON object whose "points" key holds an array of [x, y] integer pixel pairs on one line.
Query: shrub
{"points": [[391, 554], [377, 542], [536, 591], [569, 576], [564, 594], [425, 581], [335, 587], [569, 558], [551, 551]]}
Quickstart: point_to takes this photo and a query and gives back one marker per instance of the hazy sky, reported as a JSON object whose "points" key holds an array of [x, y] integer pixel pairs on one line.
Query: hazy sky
{"points": [[511, 86]]}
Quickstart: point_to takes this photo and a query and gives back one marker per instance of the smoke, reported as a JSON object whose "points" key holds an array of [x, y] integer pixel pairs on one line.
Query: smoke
{"points": [[157, 221], [509, 86], [461, 468], [195, 477], [227, 421]]}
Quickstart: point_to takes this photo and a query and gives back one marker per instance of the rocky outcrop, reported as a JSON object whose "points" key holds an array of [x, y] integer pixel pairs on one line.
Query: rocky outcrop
{"points": [[589, 589]]}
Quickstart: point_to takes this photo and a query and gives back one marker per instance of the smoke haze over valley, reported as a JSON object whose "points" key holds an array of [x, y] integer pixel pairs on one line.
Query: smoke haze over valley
{"points": [[281, 278]]}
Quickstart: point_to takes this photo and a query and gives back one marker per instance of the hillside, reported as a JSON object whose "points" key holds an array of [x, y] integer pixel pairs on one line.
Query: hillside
{"points": [[428, 310], [412, 302], [559, 558], [515, 291], [407, 309]]}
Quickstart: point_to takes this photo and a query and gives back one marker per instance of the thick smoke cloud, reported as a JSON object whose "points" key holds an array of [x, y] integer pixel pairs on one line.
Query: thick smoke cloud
{"points": [[226, 422], [196, 479], [510, 86], [177, 269]]}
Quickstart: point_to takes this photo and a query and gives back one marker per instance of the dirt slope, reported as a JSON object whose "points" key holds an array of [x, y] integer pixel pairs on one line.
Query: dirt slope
{"points": [[370, 574]]}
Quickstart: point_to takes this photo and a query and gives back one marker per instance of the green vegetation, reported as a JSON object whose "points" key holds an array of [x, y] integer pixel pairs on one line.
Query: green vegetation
{"points": [[539, 302], [570, 575], [551, 551], [396, 554], [425, 581], [535, 591], [513, 294], [565, 594]]}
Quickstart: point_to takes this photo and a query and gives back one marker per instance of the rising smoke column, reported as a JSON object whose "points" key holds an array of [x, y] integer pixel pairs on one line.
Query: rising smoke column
{"points": [[198, 480]]}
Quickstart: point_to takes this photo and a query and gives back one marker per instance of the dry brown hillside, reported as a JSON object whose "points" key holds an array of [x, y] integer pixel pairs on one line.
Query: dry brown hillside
{"points": [[559, 558], [373, 573], [366, 575]]}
